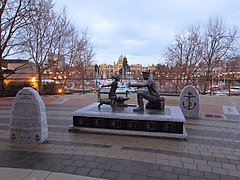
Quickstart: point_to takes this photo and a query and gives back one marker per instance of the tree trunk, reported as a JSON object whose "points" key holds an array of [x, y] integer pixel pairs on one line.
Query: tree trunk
{"points": [[83, 86], [1, 83], [206, 85], [40, 87], [1, 77]]}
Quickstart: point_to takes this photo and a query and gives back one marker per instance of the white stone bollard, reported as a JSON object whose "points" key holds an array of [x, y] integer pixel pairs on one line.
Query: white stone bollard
{"points": [[28, 121], [190, 102]]}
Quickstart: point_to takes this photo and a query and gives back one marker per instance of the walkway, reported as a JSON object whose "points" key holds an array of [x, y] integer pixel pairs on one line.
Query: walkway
{"points": [[211, 152]]}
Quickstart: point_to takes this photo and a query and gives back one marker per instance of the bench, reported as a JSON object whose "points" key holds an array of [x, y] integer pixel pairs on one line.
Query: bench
{"points": [[100, 93]]}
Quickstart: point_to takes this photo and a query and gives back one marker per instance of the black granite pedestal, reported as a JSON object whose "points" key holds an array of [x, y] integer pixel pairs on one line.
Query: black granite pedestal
{"points": [[157, 123]]}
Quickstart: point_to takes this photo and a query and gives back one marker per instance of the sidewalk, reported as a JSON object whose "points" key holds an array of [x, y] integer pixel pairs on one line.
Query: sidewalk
{"points": [[212, 150], [28, 174]]}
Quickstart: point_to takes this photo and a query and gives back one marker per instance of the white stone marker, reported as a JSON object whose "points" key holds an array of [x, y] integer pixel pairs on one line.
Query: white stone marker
{"points": [[28, 121], [190, 102]]}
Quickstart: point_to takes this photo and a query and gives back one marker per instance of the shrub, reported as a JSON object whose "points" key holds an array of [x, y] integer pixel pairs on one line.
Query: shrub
{"points": [[50, 89], [13, 87]]}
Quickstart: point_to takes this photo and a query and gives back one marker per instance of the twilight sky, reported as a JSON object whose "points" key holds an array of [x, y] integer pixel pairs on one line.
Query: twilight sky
{"points": [[142, 29]]}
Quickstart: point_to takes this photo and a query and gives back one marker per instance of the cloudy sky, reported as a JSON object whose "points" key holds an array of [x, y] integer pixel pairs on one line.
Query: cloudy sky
{"points": [[141, 29]]}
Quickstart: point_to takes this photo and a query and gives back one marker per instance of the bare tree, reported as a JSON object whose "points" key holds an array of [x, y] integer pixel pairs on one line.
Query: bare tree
{"points": [[43, 34], [67, 36], [184, 55], [70, 52], [218, 43], [13, 17], [196, 53], [84, 57]]}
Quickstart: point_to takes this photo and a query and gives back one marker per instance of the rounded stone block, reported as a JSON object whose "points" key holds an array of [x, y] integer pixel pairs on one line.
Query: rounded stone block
{"points": [[28, 121], [190, 102]]}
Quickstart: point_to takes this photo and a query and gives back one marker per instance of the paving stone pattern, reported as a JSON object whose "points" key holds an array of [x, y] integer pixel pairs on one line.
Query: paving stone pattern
{"points": [[211, 152]]}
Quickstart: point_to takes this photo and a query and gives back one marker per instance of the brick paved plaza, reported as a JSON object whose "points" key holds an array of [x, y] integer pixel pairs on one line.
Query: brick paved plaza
{"points": [[212, 150]]}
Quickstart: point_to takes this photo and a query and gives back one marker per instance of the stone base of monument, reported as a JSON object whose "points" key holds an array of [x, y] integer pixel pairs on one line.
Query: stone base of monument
{"points": [[123, 121]]}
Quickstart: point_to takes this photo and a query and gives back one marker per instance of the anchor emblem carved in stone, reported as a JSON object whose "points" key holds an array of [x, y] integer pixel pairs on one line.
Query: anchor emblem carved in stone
{"points": [[190, 105]]}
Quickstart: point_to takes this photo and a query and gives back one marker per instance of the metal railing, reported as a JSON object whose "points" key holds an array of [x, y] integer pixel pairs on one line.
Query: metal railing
{"points": [[168, 86]]}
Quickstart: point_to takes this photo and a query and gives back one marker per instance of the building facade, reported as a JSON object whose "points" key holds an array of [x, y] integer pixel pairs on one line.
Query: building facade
{"points": [[133, 71], [24, 70]]}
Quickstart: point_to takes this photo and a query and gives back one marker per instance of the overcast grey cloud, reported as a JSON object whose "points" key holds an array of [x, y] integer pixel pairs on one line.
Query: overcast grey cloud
{"points": [[141, 29]]}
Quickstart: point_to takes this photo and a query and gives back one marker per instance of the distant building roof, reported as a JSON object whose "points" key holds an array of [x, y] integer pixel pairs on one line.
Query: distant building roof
{"points": [[15, 61]]}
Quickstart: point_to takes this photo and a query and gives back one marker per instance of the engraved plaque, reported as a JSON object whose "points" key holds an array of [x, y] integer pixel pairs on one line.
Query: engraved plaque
{"points": [[99, 122], [151, 126], [115, 124], [169, 127], [132, 125], [83, 121]]}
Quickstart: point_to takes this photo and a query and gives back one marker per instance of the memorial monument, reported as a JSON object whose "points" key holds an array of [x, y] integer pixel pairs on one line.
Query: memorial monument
{"points": [[28, 121], [153, 119], [190, 102]]}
